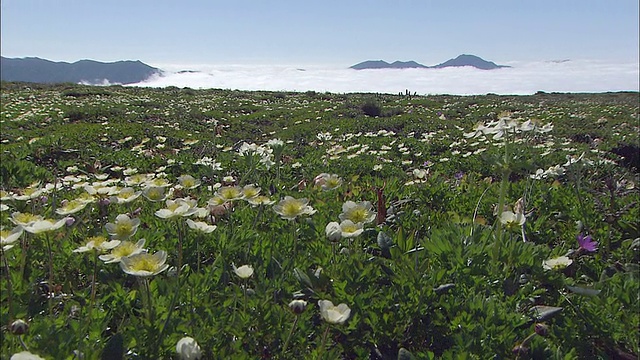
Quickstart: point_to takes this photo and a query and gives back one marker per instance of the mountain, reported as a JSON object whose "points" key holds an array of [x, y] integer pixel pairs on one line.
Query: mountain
{"points": [[33, 69], [462, 60], [380, 64], [469, 60]]}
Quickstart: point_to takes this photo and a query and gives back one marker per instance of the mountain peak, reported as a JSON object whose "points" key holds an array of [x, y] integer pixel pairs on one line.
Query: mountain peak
{"points": [[469, 60], [461, 60], [37, 70]]}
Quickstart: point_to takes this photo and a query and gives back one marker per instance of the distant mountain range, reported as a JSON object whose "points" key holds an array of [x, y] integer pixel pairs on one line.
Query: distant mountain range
{"points": [[33, 69], [462, 60]]}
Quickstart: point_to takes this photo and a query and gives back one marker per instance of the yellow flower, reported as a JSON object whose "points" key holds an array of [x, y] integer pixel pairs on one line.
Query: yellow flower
{"points": [[145, 264]]}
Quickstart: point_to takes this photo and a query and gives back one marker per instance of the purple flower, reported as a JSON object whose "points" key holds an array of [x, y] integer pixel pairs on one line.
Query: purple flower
{"points": [[587, 243]]}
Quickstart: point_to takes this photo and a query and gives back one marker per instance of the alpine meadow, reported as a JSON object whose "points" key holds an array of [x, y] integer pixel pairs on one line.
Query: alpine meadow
{"points": [[174, 223]]}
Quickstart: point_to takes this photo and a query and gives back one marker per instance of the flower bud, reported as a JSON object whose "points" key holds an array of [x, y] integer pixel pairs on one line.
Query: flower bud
{"points": [[520, 350], [188, 349], [298, 306], [541, 329], [19, 327]]}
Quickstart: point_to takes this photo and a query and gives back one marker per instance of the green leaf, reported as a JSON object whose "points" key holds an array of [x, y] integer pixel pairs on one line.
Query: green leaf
{"points": [[303, 278], [114, 349], [584, 291], [384, 241], [543, 312]]}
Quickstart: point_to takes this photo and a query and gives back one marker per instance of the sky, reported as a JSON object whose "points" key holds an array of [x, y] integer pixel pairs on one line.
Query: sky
{"points": [[329, 32]]}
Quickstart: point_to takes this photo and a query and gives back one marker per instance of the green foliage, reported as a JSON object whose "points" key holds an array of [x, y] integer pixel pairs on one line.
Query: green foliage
{"points": [[439, 276]]}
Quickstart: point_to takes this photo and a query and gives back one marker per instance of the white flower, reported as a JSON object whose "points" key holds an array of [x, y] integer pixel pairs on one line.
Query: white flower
{"points": [[328, 181], [41, 226], [98, 243], [7, 238], [558, 263], [244, 271], [361, 212], [123, 228], [188, 349], [201, 226], [350, 229], [512, 220], [145, 264], [188, 182], [333, 231], [334, 314], [289, 208], [126, 195], [25, 355], [71, 207], [126, 248], [178, 207]]}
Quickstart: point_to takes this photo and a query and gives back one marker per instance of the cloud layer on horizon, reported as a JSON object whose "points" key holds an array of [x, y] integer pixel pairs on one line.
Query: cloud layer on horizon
{"points": [[520, 79]]}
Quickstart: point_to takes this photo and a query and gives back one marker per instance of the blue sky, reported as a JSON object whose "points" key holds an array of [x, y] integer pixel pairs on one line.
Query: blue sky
{"points": [[319, 32]]}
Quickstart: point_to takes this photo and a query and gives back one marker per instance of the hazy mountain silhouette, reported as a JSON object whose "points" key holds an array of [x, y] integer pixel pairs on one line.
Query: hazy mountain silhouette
{"points": [[469, 60], [380, 64], [462, 60], [33, 69]]}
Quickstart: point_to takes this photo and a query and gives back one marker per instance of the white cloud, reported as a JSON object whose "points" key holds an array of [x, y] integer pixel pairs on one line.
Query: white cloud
{"points": [[521, 78]]}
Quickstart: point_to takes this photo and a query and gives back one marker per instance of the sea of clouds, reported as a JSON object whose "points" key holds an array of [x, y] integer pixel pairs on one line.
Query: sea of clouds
{"points": [[521, 78]]}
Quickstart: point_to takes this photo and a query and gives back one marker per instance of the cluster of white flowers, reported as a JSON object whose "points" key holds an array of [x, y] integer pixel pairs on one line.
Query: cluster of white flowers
{"points": [[264, 153], [506, 125], [353, 218]]}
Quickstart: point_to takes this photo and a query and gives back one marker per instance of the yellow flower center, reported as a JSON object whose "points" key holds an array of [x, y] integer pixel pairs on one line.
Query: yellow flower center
{"points": [[25, 218], [125, 248], [349, 228], [4, 234], [188, 183], [123, 229], [155, 193], [97, 240], [230, 193], [173, 206], [144, 262], [292, 208], [358, 215]]}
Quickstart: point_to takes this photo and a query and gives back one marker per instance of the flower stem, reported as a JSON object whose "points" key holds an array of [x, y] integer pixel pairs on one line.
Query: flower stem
{"points": [[9, 284], [323, 343], [93, 282], [293, 327], [51, 285]]}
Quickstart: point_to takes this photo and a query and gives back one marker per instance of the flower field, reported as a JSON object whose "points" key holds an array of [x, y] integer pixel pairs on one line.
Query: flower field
{"points": [[176, 223]]}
